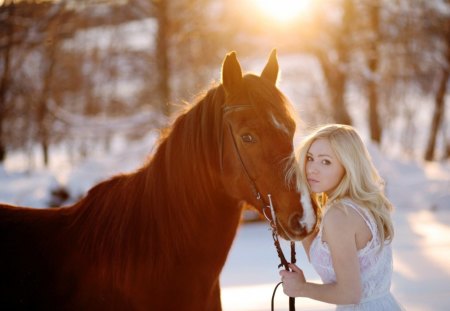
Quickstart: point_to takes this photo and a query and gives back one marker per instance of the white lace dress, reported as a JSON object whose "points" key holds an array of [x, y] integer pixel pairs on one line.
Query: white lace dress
{"points": [[375, 267]]}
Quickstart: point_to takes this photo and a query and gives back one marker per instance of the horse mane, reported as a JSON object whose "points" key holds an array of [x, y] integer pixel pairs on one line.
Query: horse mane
{"points": [[150, 213]]}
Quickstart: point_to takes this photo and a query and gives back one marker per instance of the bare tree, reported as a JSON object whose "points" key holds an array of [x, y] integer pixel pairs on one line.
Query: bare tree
{"points": [[373, 63], [24, 24], [334, 60], [187, 44], [7, 31], [442, 30], [162, 53], [42, 111]]}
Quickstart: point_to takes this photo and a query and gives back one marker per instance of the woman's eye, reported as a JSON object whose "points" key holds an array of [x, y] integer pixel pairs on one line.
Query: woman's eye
{"points": [[326, 162], [247, 138], [309, 159]]}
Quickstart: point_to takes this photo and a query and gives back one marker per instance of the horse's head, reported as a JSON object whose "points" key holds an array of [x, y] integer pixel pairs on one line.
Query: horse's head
{"points": [[257, 148]]}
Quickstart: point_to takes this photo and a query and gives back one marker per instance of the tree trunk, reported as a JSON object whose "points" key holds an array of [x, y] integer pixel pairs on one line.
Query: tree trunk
{"points": [[3, 90], [162, 55], [336, 72], [8, 31], [336, 82], [340, 113], [374, 119], [42, 109], [438, 115], [336, 87], [439, 106], [447, 149]]}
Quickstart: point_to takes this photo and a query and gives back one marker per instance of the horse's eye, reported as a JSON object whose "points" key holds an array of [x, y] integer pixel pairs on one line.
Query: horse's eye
{"points": [[248, 138]]}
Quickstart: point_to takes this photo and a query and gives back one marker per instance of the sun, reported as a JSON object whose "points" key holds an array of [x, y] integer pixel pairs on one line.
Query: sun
{"points": [[283, 10]]}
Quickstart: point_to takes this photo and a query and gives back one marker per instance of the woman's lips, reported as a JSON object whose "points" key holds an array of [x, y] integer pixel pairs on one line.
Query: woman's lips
{"points": [[312, 181]]}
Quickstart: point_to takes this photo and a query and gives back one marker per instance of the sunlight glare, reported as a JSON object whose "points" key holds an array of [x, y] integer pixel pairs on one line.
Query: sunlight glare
{"points": [[283, 10]]}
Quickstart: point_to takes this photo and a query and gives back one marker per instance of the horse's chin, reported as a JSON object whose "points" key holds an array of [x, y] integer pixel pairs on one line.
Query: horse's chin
{"points": [[300, 224], [295, 230]]}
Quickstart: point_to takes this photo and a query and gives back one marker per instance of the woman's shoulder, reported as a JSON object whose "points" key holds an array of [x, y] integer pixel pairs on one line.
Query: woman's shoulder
{"points": [[338, 216], [339, 227], [344, 222]]}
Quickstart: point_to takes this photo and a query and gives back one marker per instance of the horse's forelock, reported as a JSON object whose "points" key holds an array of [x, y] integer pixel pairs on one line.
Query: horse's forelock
{"points": [[270, 103]]}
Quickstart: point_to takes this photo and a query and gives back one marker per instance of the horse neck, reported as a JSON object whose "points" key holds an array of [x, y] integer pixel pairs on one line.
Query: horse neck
{"points": [[195, 228], [189, 203], [157, 217]]}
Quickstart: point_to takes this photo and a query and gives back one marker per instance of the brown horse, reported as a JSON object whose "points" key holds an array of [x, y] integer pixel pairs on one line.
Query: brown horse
{"points": [[157, 239]]}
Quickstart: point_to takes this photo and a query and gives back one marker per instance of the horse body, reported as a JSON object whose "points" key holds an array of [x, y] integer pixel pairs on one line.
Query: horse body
{"points": [[59, 269], [157, 238]]}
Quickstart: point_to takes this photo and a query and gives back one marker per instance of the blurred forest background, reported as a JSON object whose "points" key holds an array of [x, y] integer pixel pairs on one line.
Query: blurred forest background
{"points": [[74, 72]]}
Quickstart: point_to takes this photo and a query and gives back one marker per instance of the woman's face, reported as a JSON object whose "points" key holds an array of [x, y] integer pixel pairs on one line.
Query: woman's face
{"points": [[323, 170]]}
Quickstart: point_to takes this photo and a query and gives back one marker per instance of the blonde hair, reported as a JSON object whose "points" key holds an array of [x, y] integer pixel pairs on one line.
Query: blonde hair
{"points": [[361, 181]]}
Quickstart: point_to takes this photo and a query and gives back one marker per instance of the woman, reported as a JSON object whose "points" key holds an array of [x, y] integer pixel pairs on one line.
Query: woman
{"points": [[351, 248]]}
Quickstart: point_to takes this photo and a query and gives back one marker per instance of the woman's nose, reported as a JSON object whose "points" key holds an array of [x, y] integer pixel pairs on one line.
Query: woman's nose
{"points": [[310, 168]]}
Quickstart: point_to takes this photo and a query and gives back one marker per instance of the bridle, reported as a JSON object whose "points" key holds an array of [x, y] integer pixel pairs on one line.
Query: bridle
{"points": [[266, 205]]}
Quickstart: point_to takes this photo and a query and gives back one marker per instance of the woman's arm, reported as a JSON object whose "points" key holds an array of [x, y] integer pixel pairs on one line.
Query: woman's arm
{"points": [[339, 233]]}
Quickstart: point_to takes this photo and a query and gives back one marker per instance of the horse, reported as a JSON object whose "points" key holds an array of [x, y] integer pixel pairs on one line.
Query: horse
{"points": [[157, 238]]}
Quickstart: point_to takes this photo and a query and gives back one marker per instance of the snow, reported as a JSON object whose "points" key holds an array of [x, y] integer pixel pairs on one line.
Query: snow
{"points": [[27, 189]]}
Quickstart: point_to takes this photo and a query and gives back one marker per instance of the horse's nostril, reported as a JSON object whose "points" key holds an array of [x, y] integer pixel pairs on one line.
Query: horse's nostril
{"points": [[295, 223]]}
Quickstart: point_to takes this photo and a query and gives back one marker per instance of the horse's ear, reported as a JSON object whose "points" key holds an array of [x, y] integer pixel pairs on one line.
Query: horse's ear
{"points": [[231, 73], [270, 72]]}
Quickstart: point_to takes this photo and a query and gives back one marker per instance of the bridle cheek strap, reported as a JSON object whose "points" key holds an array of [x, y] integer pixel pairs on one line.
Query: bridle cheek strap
{"points": [[252, 182]]}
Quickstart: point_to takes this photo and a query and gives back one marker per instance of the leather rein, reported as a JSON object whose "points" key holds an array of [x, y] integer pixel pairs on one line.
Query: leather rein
{"points": [[267, 205]]}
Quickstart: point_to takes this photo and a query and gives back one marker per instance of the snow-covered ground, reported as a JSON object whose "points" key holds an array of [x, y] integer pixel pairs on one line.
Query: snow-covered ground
{"points": [[421, 280]]}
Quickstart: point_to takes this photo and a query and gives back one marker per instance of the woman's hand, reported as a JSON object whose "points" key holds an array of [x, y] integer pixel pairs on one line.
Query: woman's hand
{"points": [[293, 281]]}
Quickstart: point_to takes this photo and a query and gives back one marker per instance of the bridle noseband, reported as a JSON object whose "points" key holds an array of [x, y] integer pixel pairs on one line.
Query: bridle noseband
{"points": [[266, 205]]}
